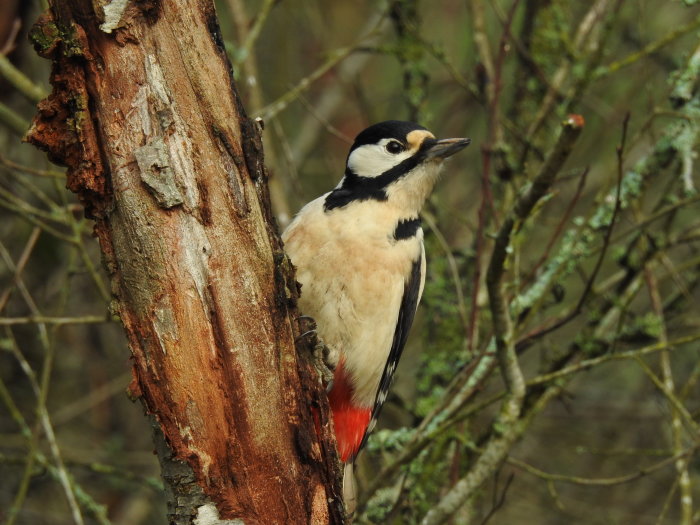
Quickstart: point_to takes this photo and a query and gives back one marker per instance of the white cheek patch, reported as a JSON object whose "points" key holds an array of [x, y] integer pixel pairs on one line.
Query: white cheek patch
{"points": [[371, 160]]}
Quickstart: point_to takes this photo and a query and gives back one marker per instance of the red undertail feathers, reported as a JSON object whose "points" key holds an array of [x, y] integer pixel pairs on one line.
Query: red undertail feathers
{"points": [[350, 421]]}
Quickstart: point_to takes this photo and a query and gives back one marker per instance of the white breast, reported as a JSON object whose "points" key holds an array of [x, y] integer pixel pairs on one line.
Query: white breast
{"points": [[353, 275]]}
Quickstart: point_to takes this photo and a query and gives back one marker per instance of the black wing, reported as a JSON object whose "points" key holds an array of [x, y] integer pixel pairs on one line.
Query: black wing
{"points": [[409, 304]]}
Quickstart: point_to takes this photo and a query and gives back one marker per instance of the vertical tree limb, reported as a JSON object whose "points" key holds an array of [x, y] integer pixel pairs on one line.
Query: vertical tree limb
{"points": [[145, 115]]}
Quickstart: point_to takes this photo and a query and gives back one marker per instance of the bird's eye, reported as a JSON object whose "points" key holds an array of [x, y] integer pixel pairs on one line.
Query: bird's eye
{"points": [[394, 147]]}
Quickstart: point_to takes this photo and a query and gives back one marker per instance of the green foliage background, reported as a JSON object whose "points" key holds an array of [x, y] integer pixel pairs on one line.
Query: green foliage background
{"points": [[611, 439]]}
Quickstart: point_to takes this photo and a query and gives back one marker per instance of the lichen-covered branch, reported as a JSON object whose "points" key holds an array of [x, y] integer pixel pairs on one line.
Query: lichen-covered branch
{"points": [[508, 426]]}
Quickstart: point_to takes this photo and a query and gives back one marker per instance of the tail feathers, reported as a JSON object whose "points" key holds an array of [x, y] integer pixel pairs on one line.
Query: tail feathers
{"points": [[349, 489]]}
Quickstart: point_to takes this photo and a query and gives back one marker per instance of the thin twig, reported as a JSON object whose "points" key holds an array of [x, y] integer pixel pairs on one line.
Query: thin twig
{"points": [[334, 58], [495, 137], [13, 120], [272, 109], [560, 227], [661, 518], [40, 391], [479, 253], [40, 388], [658, 214], [452, 263], [602, 482], [21, 82], [18, 204], [330, 128], [595, 361], [39, 319], [688, 420], [20, 207], [647, 50], [32, 440], [530, 338], [585, 29], [481, 42], [254, 33], [19, 267], [31, 171], [498, 500], [686, 493], [77, 229], [493, 453]]}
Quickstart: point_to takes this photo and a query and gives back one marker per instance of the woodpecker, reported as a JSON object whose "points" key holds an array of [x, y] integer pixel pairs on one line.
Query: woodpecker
{"points": [[358, 251]]}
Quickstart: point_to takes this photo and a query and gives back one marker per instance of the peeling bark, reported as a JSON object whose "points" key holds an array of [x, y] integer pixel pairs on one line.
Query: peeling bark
{"points": [[145, 114]]}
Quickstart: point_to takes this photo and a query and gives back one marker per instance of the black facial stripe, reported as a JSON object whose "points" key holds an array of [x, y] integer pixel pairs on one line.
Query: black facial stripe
{"points": [[403, 167], [406, 228], [358, 188]]}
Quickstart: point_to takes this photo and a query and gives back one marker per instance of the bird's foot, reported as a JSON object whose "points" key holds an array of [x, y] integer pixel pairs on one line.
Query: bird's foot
{"points": [[323, 357]]}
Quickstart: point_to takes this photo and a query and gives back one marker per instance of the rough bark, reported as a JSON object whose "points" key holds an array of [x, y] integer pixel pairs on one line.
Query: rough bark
{"points": [[145, 114]]}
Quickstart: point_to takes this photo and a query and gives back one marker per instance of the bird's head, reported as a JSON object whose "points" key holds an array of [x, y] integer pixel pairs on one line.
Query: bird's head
{"points": [[393, 161]]}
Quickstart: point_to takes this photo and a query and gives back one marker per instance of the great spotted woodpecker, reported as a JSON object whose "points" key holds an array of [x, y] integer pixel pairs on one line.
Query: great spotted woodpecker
{"points": [[359, 255]]}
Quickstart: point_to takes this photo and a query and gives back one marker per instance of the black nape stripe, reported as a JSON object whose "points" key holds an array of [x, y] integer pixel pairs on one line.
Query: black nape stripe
{"points": [[406, 228], [345, 195]]}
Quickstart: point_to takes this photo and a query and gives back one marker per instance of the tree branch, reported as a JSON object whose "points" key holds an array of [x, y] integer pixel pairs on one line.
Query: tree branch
{"points": [[165, 160]]}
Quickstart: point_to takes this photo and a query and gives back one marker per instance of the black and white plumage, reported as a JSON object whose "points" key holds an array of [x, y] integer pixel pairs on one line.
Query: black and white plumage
{"points": [[359, 256]]}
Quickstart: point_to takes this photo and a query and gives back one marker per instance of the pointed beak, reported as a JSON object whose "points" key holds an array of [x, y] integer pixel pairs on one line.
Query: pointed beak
{"points": [[446, 147]]}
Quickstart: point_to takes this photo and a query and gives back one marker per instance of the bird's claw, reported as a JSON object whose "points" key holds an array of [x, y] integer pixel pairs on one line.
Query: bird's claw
{"points": [[323, 365], [321, 353]]}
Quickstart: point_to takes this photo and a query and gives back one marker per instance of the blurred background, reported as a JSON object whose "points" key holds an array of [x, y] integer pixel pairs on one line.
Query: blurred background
{"points": [[618, 442]]}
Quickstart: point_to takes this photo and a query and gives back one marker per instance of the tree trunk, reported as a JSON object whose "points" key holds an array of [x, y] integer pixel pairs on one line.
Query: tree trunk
{"points": [[145, 115]]}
